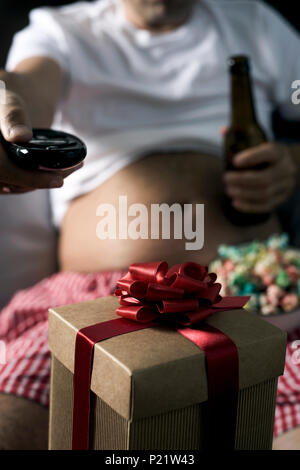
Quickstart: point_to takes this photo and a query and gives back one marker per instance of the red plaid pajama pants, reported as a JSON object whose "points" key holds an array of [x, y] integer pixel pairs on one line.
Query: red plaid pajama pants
{"points": [[25, 357]]}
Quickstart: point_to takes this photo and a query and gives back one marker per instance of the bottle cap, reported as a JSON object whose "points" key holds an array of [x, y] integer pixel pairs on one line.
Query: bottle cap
{"points": [[239, 65]]}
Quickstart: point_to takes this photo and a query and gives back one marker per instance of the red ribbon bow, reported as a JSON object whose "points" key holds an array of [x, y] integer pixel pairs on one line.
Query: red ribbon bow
{"points": [[151, 291], [187, 294]]}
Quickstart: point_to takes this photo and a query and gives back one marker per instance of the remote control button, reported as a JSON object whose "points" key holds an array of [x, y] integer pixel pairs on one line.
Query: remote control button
{"points": [[41, 137], [43, 143], [22, 152]]}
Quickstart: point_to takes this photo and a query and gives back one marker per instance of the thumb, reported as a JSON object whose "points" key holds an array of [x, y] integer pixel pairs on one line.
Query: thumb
{"points": [[15, 124]]}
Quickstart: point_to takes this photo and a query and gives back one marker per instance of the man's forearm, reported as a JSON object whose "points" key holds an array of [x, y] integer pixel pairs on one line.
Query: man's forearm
{"points": [[38, 82]]}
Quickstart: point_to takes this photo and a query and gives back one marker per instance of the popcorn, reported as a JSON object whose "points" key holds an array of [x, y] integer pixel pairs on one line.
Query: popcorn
{"points": [[282, 279], [215, 266], [267, 279], [228, 266], [268, 310], [268, 271], [274, 294], [263, 300], [293, 273], [278, 242], [260, 269], [290, 302]]}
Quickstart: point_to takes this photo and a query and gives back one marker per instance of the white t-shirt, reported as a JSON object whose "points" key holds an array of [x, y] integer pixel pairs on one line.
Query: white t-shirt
{"points": [[128, 91]]}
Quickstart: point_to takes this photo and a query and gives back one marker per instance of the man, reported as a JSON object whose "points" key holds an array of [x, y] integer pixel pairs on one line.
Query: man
{"points": [[145, 84]]}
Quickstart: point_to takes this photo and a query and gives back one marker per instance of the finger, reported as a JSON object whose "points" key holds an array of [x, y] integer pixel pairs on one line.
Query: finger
{"points": [[34, 179], [287, 166], [14, 190], [252, 178], [12, 175], [63, 173], [68, 172], [261, 194], [252, 207], [5, 190], [15, 124], [263, 154]]}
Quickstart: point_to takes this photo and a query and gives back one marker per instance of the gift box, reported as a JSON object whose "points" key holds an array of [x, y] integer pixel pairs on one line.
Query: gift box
{"points": [[149, 388]]}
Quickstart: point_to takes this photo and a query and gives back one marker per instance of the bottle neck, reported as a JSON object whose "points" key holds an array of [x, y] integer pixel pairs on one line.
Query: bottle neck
{"points": [[242, 103]]}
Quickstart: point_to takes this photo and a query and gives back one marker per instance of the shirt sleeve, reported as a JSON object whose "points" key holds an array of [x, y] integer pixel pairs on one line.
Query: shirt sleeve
{"points": [[283, 55], [45, 36]]}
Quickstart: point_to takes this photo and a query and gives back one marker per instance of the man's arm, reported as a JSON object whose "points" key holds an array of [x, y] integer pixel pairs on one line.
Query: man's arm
{"points": [[31, 94]]}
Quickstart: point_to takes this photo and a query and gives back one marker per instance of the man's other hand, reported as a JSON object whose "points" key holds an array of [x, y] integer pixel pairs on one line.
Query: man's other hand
{"points": [[261, 190]]}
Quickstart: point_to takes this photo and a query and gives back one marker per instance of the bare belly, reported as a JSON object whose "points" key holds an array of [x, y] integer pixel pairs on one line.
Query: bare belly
{"points": [[179, 178]]}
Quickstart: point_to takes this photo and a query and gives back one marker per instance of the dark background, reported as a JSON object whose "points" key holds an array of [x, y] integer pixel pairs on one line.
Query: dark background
{"points": [[14, 16]]}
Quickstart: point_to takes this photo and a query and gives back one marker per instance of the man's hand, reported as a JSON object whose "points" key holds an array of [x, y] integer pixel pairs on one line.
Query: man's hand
{"points": [[261, 190], [16, 126]]}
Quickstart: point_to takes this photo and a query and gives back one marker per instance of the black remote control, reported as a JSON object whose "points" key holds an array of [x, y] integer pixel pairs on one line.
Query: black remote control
{"points": [[47, 150]]}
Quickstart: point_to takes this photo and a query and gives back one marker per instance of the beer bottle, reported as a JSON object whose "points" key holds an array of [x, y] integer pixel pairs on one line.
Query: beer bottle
{"points": [[243, 133]]}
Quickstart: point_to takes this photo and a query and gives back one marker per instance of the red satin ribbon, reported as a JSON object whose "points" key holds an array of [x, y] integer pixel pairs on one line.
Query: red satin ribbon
{"points": [[222, 369], [86, 339], [221, 353]]}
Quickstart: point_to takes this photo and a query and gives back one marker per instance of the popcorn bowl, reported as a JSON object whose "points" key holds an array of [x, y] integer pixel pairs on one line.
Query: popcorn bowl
{"points": [[288, 321], [269, 272]]}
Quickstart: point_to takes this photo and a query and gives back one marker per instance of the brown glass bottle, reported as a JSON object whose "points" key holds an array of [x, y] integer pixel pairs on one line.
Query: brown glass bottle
{"points": [[243, 133]]}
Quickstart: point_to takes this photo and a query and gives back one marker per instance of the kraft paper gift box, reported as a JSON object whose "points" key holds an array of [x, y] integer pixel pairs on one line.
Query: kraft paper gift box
{"points": [[149, 387]]}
